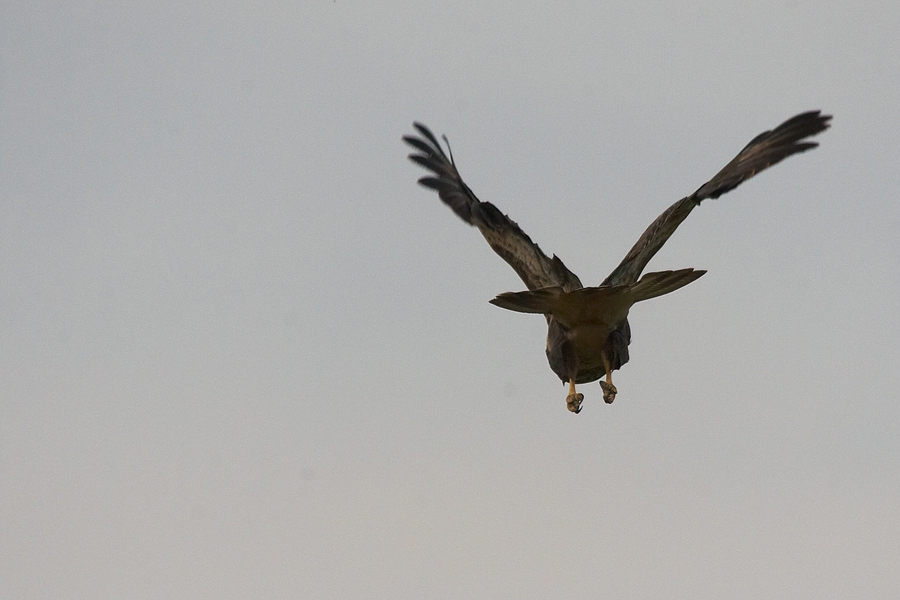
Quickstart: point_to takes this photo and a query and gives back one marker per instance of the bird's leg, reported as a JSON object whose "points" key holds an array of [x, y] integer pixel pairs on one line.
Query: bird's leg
{"points": [[573, 400], [609, 390]]}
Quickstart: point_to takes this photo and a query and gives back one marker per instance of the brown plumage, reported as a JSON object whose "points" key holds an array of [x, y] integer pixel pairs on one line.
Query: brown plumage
{"points": [[588, 332]]}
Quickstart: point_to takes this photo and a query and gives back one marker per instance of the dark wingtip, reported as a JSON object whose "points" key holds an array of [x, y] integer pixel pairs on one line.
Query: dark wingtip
{"points": [[811, 122], [765, 150], [427, 134]]}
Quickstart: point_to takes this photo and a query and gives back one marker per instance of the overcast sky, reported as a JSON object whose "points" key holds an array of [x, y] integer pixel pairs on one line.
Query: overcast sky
{"points": [[244, 355]]}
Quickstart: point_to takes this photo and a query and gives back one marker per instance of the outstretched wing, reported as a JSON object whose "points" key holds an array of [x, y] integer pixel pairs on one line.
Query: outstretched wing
{"points": [[763, 151], [535, 268]]}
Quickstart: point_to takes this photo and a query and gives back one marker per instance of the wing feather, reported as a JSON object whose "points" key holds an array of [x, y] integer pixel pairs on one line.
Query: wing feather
{"points": [[763, 151], [536, 269]]}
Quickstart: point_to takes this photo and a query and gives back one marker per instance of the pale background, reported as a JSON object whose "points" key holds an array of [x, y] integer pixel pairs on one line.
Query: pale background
{"points": [[244, 355]]}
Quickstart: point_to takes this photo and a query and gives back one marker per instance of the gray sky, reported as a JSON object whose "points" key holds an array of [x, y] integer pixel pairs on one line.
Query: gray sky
{"points": [[244, 355]]}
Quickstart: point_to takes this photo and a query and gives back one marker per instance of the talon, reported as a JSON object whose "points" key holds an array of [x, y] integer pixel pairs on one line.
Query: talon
{"points": [[573, 402], [609, 392]]}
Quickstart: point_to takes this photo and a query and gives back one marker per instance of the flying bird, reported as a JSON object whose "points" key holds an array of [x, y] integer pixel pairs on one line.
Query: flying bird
{"points": [[588, 332]]}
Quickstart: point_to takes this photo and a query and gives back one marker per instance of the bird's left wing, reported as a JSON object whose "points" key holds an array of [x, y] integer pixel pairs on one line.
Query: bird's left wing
{"points": [[763, 151], [513, 245]]}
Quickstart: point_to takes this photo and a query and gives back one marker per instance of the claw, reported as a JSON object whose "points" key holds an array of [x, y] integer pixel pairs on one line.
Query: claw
{"points": [[573, 402], [609, 392]]}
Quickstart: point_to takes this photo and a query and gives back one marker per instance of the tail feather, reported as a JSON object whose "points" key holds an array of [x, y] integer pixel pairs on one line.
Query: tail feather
{"points": [[656, 284], [609, 302], [540, 301]]}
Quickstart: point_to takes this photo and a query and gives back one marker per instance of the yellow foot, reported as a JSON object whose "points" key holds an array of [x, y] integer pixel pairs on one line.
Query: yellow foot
{"points": [[573, 402], [609, 392]]}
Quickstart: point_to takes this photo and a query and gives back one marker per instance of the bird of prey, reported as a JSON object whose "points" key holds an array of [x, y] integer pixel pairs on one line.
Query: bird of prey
{"points": [[588, 332]]}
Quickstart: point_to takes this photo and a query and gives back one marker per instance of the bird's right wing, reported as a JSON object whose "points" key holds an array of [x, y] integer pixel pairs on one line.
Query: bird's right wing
{"points": [[513, 245], [763, 151]]}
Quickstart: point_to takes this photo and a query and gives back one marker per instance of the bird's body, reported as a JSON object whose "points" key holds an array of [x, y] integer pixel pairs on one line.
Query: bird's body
{"points": [[588, 331]]}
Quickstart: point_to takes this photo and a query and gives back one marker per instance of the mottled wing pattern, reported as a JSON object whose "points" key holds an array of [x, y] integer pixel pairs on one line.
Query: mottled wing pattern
{"points": [[650, 242], [765, 150], [513, 245]]}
